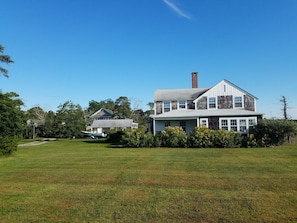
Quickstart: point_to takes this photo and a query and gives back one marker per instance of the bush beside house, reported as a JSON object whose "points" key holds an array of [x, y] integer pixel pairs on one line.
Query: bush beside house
{"points": [[266, 133]]}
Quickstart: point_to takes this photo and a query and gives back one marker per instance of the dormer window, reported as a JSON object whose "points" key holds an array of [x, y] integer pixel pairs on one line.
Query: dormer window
{"points": [[182, 104], [238, 102], [212, 102], [166, 106]]}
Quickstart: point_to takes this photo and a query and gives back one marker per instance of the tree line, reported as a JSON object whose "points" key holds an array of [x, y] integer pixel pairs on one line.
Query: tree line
{"points": [[67, 122]]}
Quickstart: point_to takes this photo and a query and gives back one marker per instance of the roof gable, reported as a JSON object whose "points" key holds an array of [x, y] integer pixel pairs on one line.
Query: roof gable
{"points": [[225, 87], [101, 113]]}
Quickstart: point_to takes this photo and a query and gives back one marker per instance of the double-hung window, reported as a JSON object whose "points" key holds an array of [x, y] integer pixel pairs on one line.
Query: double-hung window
{"points": [[166, 106], [233, 124], [224, 124], [242, 125], [238, 102], [182, 104], [252, 122], [212, 102]]}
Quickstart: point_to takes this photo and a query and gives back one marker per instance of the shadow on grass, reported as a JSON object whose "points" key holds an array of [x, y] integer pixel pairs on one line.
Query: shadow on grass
{"points": [[104, 141], [93, 141]]}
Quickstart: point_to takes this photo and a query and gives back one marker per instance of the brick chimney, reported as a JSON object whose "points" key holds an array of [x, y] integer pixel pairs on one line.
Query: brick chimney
{"points": [[194, 79]]}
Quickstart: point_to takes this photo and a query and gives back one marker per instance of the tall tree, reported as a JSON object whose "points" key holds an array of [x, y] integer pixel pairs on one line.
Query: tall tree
{"points": [[122, 107], [36, 120], [95, 105], [4, 59], [12, 118], [70, 120], [49, 125]]}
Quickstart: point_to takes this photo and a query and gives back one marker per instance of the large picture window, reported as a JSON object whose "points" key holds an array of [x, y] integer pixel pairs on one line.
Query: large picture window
{"points": [[242, 124]]}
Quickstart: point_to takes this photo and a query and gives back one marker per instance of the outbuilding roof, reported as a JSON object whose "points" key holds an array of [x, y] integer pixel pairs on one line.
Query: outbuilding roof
{"points": [[112, 123]]}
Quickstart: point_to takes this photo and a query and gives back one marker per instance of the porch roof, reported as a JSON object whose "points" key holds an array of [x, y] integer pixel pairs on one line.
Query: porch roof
{"points": [[193, 114]]}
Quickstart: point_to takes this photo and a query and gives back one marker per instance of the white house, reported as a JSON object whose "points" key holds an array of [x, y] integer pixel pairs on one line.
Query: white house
{"points": [[223, 106]]}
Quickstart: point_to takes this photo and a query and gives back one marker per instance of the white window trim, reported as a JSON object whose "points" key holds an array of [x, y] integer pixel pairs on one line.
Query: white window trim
{"points": [[216, 100], [238, 122], [235, 103], [164, 106], [203, 119], [184, 107]]}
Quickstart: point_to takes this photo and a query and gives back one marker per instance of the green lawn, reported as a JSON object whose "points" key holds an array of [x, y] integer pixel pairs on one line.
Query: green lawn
{"points": [[84, 181]]}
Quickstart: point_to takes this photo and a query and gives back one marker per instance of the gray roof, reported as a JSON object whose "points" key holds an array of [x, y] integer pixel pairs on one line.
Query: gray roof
{"points": [[179, 94], [102, 113], [192, 114], [112, 123]]}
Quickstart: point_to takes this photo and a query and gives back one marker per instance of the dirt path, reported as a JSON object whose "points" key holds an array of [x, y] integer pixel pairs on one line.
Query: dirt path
{"points": [[36, 143]]}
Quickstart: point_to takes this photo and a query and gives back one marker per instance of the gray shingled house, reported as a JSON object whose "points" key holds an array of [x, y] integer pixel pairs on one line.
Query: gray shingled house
{"points": [[223, 106], [103, 120]]}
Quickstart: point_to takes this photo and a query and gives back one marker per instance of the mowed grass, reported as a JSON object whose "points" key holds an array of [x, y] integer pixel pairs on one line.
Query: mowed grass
{"points": [[87, 181]]}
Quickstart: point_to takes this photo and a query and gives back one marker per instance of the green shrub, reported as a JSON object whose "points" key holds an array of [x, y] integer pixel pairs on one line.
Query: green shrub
{"points": [[174, 137], [200, 137], [157, 140], [221, 139], [115, 135], [148, 140], [8, 145], [136, 138], [133, 138], [248, 141], [235, 139], [273, 132]]}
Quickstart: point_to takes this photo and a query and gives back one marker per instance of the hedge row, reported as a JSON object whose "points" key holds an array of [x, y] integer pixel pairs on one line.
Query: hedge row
{"points": [[266, 133]]}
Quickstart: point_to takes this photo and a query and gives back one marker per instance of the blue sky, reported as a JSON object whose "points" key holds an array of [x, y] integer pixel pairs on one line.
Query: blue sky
{"points": [[96, 49]]}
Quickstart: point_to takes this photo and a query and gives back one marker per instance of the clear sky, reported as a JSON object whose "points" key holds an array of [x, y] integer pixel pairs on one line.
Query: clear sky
{"points": [[83, 50]]}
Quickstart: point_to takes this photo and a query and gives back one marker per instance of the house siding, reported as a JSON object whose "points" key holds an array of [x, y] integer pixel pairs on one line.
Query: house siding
{"points": [[173, 105], [159, 107], [225, 102], [202, 103], [213, 123], [249, 103]]}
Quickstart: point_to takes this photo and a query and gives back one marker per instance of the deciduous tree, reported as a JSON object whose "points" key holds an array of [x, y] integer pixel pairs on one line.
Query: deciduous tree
{"points": [[70, 120]]}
